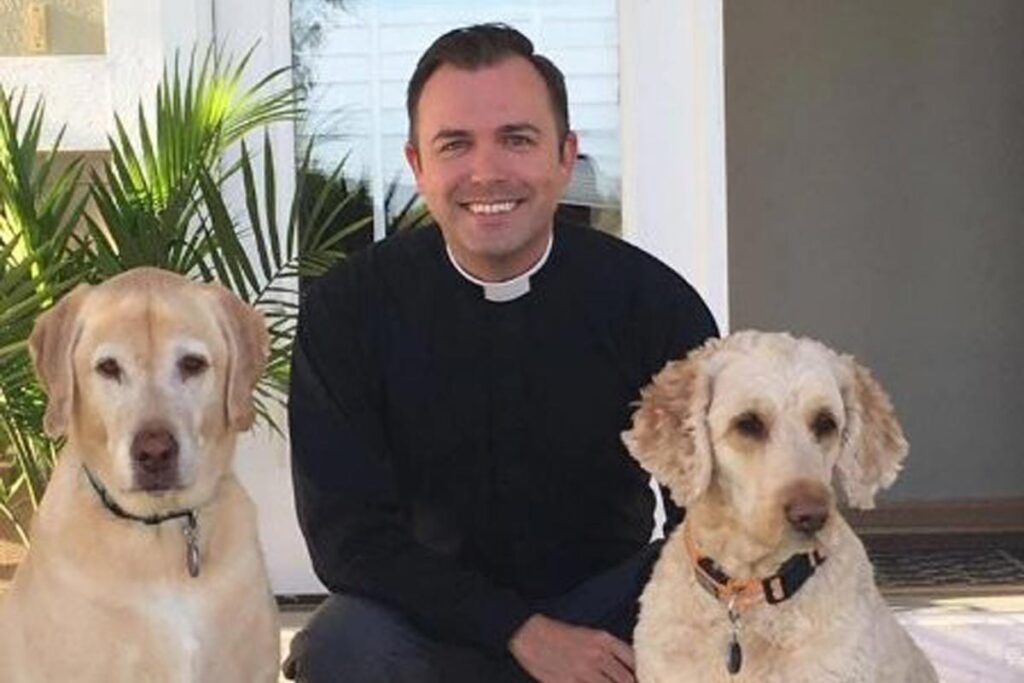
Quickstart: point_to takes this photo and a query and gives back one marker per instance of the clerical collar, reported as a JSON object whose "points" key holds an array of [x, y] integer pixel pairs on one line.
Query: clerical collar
{"points": [[506, 290]]}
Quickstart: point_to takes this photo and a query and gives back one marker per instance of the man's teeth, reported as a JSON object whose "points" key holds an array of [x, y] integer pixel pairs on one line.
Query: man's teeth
{"points": [[496, 207]]}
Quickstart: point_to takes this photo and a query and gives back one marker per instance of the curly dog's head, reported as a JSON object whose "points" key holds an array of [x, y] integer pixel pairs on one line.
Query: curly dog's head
{"points": [[756, 426]]}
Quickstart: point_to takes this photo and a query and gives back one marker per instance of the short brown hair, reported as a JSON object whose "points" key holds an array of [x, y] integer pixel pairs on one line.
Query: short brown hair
{"points": [[480, 45]]}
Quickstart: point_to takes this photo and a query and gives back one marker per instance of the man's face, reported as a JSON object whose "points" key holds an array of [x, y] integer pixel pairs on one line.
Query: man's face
{"points": [[487, 163]]}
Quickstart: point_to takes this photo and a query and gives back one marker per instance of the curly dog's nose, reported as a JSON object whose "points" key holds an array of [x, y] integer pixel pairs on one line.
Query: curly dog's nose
{"points": [[807, 514]]}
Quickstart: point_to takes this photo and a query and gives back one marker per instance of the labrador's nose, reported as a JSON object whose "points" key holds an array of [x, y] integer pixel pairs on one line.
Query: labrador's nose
{"points": [[154, 455], [807, 514]]}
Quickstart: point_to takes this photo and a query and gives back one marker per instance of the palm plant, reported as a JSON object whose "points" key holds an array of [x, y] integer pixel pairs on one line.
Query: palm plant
{"points": [[161, 200], [148, 195], [39, 209]]}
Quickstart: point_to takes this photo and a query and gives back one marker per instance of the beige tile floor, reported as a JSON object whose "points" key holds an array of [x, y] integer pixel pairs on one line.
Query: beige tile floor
{"points": [[971, 639]]}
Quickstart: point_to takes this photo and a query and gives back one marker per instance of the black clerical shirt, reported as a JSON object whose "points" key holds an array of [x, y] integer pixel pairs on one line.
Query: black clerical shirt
{"points": [[456, 458]]}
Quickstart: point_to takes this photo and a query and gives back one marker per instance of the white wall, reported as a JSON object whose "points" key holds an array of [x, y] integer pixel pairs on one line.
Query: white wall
{"points": [[83, 91], [673, 139], [262, 461]]}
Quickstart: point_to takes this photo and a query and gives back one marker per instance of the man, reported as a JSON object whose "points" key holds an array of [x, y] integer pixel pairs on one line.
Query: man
{"points": [[457, 397]]}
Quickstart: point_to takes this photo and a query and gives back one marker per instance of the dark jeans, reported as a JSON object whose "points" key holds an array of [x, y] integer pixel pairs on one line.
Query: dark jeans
{"points": [[351, 639]]}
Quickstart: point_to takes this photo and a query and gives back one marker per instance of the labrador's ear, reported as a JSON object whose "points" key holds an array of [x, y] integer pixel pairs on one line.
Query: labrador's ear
{"points": [[51, 346], [873, 446], [669, 437], [248, 347]]}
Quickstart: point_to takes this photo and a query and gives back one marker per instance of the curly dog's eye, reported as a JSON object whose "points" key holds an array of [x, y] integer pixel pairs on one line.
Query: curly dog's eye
{"points": [[751, 425], [109, 369], [824, 425]]}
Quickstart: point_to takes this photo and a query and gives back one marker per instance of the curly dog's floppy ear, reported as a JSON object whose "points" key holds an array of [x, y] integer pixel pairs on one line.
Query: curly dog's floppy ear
{"points": [[51, 347], [248, 346], [669, 437], [873, 444]]}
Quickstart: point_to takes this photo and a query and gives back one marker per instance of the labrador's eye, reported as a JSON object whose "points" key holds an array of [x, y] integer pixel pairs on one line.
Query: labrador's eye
{"points": [[109, 369], [191, 365], [751, 425], [824, 425]]}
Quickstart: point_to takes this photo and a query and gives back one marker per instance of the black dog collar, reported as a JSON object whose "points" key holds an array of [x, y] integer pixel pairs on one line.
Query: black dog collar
{"points": [[190, 529]]}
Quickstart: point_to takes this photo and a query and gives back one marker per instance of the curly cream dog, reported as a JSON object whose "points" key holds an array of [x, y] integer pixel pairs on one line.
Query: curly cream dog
{"points": [[144, 564], [764, 581]]}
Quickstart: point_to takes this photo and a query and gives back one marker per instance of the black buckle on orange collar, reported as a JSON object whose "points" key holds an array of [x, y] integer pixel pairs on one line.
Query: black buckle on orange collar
{"points": [[791, 577], [779, 587]]}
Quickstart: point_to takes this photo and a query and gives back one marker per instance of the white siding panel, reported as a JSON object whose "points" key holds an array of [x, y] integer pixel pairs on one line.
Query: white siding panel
{"points": [[345, 40], [394, 91], [341, 71], [592, 90], [576, 32]]}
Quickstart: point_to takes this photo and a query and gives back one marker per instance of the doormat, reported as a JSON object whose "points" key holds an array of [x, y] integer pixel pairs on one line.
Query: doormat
{"points": [[949, 569]]}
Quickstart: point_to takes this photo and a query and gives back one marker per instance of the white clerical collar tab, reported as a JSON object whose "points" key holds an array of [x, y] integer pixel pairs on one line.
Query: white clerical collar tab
{"points": [[507, 290]]}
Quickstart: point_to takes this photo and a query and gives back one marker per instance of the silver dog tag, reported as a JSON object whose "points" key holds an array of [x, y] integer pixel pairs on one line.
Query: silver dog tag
{"points": [[191, 530]]}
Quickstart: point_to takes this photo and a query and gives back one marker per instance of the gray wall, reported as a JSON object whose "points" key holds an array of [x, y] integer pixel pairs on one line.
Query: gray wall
{"points": [[875, 154]]}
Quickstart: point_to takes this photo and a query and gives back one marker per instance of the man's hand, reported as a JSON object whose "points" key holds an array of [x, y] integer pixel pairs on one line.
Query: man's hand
{"points": [[555, 652]]}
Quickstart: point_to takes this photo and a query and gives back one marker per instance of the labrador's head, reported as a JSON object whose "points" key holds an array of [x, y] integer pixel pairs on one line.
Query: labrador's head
{"points": [[756, 426], [150, 376]]}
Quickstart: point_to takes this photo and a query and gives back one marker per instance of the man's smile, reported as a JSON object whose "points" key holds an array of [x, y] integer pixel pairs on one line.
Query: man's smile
{"points": [[492, 207]]}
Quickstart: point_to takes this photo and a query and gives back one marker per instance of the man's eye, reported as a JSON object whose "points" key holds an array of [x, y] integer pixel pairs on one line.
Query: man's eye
{"points": [[109, 368], [452, 146], [519, 141]]}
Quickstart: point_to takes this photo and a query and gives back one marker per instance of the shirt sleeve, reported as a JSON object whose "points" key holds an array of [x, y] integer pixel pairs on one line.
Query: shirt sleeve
{"points": [[356, 525]]}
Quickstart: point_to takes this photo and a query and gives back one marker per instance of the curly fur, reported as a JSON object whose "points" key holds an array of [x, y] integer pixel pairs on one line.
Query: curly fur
{"points": [[837, 628]]}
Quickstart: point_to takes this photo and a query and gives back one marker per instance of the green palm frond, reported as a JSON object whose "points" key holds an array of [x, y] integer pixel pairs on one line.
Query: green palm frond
{"points": [[39, 210], [148, 194], [262, 263], [39, 206]]}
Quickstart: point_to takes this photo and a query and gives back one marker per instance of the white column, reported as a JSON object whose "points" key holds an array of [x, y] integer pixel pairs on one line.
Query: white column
{"points": [[262, 461], [673, 139]]}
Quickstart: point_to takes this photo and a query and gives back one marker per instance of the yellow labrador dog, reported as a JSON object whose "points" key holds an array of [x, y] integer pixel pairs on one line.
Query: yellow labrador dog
{"points": [[145, 564], [764, 582]]}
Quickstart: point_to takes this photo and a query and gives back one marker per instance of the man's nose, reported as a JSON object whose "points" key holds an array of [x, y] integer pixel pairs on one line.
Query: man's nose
{"points": [[486, 164]]}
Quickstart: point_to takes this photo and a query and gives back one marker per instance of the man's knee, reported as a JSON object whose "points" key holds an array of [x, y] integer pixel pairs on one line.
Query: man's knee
{"points": [[355, 640]]}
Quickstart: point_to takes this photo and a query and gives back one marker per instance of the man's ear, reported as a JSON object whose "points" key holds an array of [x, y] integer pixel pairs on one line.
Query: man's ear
{"points": [[567, 158], [670, 437], [412, 157], [873, 446], [51, 346], [248, 347]]}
